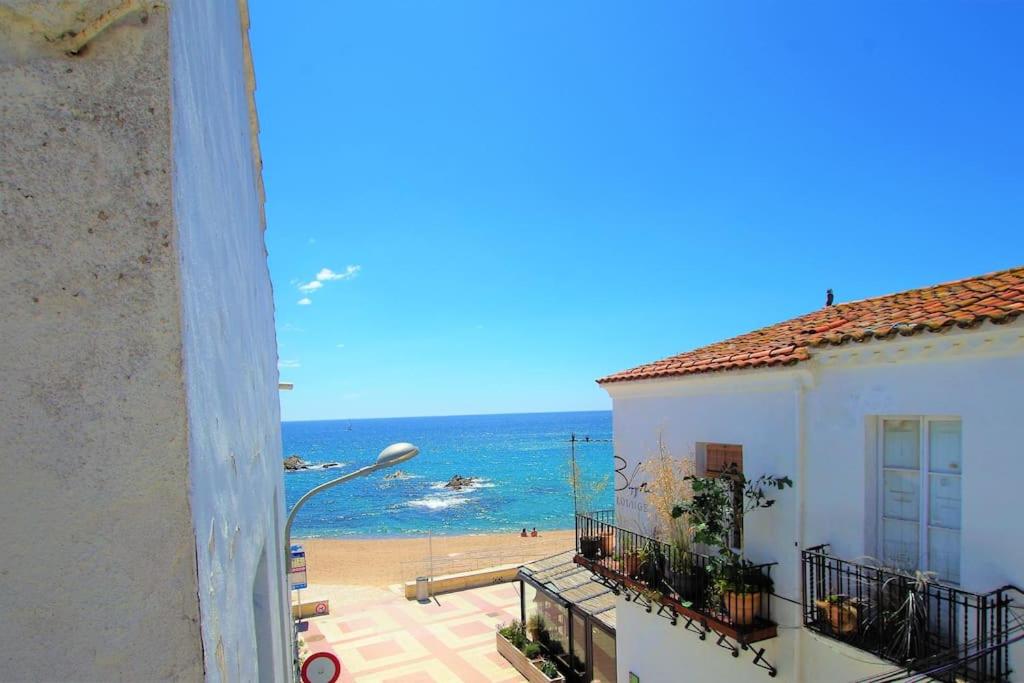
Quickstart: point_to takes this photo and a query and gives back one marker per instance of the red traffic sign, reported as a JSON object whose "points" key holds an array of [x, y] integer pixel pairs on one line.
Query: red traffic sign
{"points": [[323, 667]]}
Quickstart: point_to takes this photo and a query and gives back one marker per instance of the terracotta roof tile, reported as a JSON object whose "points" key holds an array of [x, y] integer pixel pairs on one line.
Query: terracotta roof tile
{"points": [[996, 297]]}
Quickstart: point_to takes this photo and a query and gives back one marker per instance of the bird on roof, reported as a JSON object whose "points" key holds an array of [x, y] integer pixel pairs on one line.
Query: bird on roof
{"points": [[828, 298]]}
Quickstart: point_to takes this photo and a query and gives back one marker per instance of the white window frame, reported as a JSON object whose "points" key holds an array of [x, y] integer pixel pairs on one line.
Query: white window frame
{"points": [[923, 473]]}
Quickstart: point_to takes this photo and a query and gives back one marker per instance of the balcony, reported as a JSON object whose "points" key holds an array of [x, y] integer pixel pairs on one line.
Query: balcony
{"points": [[924, 626], [677, 583]]}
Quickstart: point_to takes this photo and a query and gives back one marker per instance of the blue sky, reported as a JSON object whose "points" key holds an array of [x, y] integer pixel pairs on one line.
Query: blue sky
{"points": [[514, 199]]}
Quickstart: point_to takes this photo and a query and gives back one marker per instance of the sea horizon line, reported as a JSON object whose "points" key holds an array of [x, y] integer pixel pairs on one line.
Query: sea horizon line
{"points": [[424, 417]]}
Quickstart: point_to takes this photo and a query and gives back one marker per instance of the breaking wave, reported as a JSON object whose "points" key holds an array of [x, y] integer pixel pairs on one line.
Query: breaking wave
{"points": [[438, 502]]}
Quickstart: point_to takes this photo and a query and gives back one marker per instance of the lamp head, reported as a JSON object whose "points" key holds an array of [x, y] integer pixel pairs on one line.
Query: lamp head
{"points": [[396, 453]]}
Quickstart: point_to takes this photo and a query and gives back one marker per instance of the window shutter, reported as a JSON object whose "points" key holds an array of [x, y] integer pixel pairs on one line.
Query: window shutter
{"points": [[720, 457]]}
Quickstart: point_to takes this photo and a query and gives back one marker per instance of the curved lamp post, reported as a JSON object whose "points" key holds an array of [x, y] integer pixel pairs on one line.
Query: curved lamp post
{"points": [[392, 455]]}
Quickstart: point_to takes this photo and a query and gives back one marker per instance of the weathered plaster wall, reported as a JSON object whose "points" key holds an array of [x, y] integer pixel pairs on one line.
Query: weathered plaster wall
{"points": [[230, 350], [98, 561], [139, 417]]}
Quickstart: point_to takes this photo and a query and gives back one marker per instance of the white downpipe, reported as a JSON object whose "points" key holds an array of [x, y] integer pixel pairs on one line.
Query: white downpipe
{"points": [[805, 381]]}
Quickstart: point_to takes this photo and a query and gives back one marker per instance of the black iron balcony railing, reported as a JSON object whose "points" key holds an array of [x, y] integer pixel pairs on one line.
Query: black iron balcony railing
{"points": [[912, 620], [678, 579]]}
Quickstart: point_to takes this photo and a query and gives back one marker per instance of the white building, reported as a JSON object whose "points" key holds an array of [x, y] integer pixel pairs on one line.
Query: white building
{"points": [[898, 419], [141, 499]]}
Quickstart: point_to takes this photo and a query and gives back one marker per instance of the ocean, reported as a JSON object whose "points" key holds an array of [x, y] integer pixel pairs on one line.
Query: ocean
{"points": [[521, 463]]}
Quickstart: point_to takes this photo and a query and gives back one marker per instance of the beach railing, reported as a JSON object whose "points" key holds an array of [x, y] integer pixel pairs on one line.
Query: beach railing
{"points": [[469, 561]]}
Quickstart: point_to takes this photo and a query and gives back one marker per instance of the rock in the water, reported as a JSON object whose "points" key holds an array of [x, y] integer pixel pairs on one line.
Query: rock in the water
{"points": [[294, 462], [459, 482]]}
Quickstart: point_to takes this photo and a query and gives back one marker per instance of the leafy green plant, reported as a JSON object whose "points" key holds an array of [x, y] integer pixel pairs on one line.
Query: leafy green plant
{"points": [[532, 650], [717, 508], [515, 633], [548, 668]]}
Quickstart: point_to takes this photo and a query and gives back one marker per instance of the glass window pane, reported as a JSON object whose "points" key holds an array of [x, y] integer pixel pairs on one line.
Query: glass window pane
{"points": [[900, 543], [556, 623], [944, 500], [902, 495], [944, 446], [944, 553], [604, 656], [530, 601], [901, 443], [579, 644]]}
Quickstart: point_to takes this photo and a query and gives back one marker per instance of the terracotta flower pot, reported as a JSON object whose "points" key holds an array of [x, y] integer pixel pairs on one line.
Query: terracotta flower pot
{"points": [[742, 607], [607, 543], [842, 615], [631, 564]]}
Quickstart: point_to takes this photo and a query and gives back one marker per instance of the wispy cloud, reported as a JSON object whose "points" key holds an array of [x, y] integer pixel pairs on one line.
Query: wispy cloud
{"points": [[326, 274], [283, 364]]}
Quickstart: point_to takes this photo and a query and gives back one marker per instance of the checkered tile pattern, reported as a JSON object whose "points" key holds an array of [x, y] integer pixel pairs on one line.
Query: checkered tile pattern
{"points": [[385, 638]]}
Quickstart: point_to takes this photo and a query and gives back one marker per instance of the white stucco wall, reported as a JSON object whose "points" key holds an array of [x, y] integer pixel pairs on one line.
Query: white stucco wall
{"points": [[985, 392], [230, 352], [976, 375], [139, 416]]}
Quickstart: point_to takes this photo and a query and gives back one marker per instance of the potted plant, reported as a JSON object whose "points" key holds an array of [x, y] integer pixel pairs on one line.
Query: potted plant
{"points": [[590, 546], [716, 508], [652, 561], [741, 587], [628, 558], [842, 613], [535, 626], [669, 483], [606, 539]]}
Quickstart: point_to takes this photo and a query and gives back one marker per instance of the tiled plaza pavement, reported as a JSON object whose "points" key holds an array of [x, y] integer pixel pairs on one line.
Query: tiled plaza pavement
{"points": [[381, 637]]}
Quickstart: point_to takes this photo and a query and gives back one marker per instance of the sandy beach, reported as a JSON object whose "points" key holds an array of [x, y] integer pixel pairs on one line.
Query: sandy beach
{"points": [[382, 562]]}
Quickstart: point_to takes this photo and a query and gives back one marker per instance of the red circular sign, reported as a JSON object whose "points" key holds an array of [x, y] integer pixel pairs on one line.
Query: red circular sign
{"points": [[321, 608], [322, 667]]}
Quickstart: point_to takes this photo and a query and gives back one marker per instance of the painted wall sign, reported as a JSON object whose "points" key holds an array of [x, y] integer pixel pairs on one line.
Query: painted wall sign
{"points": [[297, 571], [630, 494]]}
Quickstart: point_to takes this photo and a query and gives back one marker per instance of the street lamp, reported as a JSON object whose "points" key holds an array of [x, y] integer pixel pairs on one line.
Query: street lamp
{"points": [[392, 455]]}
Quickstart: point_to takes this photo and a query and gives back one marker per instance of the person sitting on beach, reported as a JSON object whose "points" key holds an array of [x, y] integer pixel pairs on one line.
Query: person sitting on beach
{"points": [[534, 532], [524, 532]]}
